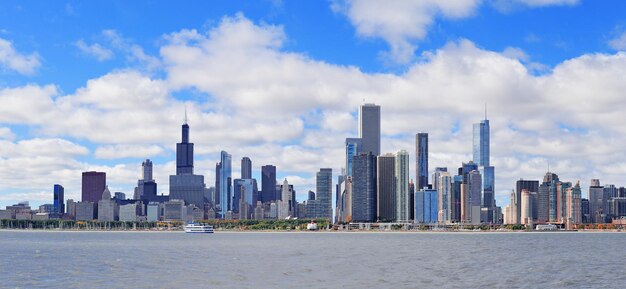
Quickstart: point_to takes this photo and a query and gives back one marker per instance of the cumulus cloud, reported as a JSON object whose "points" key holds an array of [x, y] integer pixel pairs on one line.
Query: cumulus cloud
{"points": [[125, 151], [94, 50], [510, 5], [11, 59], [134, 52], [400, 23]]}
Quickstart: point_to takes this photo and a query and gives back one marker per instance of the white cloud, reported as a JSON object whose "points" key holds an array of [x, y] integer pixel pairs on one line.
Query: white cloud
{"points": [[125, 151], [506, 6], [6, 133], [134, 52], [400, 23], [95, 50], [619, 42], [11, 59]]}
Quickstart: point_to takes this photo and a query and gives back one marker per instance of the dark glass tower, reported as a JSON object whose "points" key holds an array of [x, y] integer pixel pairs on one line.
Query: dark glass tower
{"points": [[268, 183], [184, 153], [421, 167], [364, 188], [59, 202], [246, 168], [369, 128]]}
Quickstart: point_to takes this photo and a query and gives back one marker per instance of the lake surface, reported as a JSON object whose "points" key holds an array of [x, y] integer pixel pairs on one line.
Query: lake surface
{"points": [[40, 259]]}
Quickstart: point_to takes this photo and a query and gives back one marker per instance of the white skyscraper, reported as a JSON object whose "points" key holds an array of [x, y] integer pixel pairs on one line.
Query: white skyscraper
{"points": [[402, 186], [444, 190]]}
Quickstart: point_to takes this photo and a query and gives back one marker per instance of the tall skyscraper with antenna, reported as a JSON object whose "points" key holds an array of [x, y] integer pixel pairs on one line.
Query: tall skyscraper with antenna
{"points": [[481, 153]]}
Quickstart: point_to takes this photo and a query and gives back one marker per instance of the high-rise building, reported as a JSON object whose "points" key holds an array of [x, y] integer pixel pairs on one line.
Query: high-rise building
{"points": [[364, 188], [530, 185], [268, 183], [223, 186], [402, 186], [481, 143], [184, 152], [93, 184], [185, 185], [285, 205], [436, 174], [597, 202], [470, 197], [426, 204], [573, 205], [421, 160], [412, 200], [142, 191], [59, 199], [146, 169], [324, 187], [243, 190], [386, 188], [369, 128], [444, 191], [526, 214], [108, 210], [246, 168], [353, 148], [561, 201]]}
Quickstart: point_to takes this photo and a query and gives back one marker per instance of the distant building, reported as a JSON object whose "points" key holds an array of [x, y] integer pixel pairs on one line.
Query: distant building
{"points": [[268, 183], [128, 212], [174, 210], [324, 187], [353, 148], [527, 208], [108, 210], [597, 202], [444, 191], [386, 188], [421, 160], [402, 186], [573, 205], [85, 211], [223, 185], [364, 188], [530, 185], [369, 128], [426, 206], [59, 200], [93, 184], [285, 205], [185, 185], [153, 212], [246, 168]]}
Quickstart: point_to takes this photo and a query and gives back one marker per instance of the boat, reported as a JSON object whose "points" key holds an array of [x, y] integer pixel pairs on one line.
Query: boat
{"points": [[311, 226], [198, 228]]}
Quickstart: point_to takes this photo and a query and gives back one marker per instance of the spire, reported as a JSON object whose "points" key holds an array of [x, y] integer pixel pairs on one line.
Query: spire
{"points": [[185, 114], [485, 111]]}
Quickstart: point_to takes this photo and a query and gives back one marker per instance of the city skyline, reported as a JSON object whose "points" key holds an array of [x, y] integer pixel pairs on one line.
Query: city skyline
{"points": [[130, 108]]}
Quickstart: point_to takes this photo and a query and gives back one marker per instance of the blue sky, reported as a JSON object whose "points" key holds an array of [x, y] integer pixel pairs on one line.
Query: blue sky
{"points": [[102, 85]]}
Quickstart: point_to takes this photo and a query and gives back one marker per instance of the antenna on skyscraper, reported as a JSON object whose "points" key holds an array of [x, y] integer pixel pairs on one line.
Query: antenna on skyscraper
{"points": [[485, 110], [185, 114]]}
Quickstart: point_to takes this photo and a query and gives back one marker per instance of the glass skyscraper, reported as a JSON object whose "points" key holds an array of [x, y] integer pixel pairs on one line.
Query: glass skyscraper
{"points": [[185, 185], [225, 179], [481, 143], [59, 199], [268, 183], [246, 168], [324, 186], [364, 188], [402, 186], [421, 160], [481, 153], [353, 148]]}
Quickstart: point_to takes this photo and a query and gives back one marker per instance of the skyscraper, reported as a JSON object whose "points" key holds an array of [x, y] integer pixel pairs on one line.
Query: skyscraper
{"points": [[225, 179], [386, 188], [184, 152], [421, 160], [185, 185], [530, 185], [353, 148], [142, 191], [59, 199], [364, 188], [93, 185], [597, 202], [146, 169], [268, 183], [574, 212], [402, 186], [546, 199], [369, 128], [324, 186], [246, 168], [481, 143], [444, 191]]}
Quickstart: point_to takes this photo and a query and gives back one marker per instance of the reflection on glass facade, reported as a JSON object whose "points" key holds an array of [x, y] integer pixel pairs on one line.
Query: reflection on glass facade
{"points": [[481, 143], [353, 148]]}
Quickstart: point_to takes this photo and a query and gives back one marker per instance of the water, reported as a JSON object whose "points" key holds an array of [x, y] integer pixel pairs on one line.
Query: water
{"points": [[311, 260]]}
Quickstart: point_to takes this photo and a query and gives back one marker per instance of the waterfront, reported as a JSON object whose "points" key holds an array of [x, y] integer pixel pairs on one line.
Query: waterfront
{"points": [[47, 259]]}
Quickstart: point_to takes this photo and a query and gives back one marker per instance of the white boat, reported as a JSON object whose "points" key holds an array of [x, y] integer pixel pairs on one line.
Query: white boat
{"points": [[197, 228], [311, 226]]}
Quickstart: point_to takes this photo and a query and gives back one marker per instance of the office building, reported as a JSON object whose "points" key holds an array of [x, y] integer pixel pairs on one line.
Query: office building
{"points": [[521, 184], [93, 184], [223, 183], [108, 209], [128, 212], [324, 187], [402, 186], [597, 202], [369, 128], [573, 205], [526, 214], [59, 200], [185, 185], [421, 160], [246, 168], [268, 183], [353, 148], [546, 199], [153, 212], [364, 188], [444, 192], [386, 188], [85, 211], [285, 204], [174, 210], [426, 206]]}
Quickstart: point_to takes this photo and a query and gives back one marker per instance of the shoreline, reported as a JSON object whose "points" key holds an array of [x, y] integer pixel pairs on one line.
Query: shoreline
{"points": [[318, 231]]}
